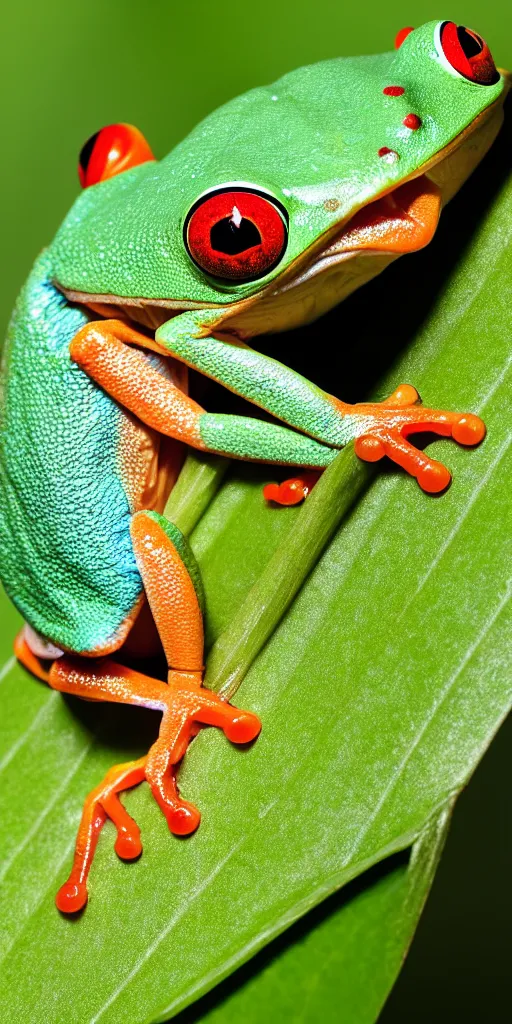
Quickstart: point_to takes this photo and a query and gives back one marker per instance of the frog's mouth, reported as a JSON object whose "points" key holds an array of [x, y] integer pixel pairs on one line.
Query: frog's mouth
{"points": [[400, 222]]}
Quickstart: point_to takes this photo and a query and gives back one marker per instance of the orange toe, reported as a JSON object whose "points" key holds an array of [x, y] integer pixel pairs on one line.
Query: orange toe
{"points": [[244, 728], [271, 492], [128, 846], [292, 491], [71, 897], [183, 819], [404, 395], [434, 477], [369, 449], [469, 430]]}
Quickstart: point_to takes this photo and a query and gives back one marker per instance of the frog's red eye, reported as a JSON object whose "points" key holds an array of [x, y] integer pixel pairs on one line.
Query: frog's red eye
{"points": [[237, 234], [113, 149], [468, 54]]}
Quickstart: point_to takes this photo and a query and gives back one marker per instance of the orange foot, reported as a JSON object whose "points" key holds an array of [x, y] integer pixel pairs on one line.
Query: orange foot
{"points": [[186, 705], [292, 491], [382, 429], [103, 802]]}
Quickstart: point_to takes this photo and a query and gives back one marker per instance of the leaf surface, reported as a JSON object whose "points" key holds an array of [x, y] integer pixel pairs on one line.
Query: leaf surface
{"points": [[337, 964]]}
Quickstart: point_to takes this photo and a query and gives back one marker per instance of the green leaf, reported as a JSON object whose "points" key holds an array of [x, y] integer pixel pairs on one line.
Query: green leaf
{"points": [[336, 964], [379, 690]]}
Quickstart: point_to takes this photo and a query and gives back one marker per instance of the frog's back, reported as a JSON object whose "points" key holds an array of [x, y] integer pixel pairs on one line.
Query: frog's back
{"points": [[66, 559]]}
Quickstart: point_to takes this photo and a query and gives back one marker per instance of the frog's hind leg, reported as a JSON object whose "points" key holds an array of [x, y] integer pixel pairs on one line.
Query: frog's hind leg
{"points": [[102, 802], [172, 586]]}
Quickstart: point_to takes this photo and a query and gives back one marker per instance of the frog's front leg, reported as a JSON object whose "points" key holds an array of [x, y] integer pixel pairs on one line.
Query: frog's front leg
{"points": [[378, 429], [171, 584], [105, 351]]}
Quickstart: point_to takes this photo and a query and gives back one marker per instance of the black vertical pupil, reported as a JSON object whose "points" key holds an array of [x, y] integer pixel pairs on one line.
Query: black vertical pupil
{"points": [[471, 44], [232, 236], [86, 151]]}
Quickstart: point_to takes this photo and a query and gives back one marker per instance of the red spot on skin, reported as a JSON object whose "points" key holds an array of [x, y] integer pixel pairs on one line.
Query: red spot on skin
{"points": [[390, 154], [393, 90], [412, 121], [401, 35]]}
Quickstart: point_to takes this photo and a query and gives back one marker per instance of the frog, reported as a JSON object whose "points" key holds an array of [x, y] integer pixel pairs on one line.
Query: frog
{"points": [[273, 210]]}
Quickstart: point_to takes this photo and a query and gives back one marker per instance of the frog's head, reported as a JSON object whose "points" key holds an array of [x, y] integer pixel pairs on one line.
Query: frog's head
{"points": [[288, 197]]}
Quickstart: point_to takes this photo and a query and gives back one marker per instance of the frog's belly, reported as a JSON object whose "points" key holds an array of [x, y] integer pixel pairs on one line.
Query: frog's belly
{"points": [[72, 467]]}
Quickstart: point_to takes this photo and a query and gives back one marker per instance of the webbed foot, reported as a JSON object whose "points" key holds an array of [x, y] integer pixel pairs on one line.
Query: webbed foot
{"points": [[186, 705], [102, 802], [382, 428], [189, 705]]}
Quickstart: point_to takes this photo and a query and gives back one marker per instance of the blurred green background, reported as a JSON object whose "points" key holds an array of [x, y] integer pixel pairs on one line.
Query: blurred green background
{"points": [[69, 68]]}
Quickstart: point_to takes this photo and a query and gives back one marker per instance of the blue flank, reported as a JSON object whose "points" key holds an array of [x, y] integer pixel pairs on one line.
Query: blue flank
{"points": [[66, 558]]}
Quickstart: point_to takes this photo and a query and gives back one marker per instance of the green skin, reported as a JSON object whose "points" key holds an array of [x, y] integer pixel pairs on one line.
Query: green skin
{"points": [[65, 558]]}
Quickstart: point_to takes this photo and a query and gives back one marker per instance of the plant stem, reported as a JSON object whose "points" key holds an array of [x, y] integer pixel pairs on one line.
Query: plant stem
{"points": [[196, 486], [237, 647]]}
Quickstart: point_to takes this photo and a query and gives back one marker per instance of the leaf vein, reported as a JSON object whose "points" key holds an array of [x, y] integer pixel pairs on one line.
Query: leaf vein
{"points": [[443, 695], [10, 663], [46, 810], [458, 525], [20, 742], [165, 931]]}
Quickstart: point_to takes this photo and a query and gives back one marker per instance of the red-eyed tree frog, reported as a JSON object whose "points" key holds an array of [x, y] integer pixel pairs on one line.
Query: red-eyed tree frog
{"points": [[273, 209]]}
